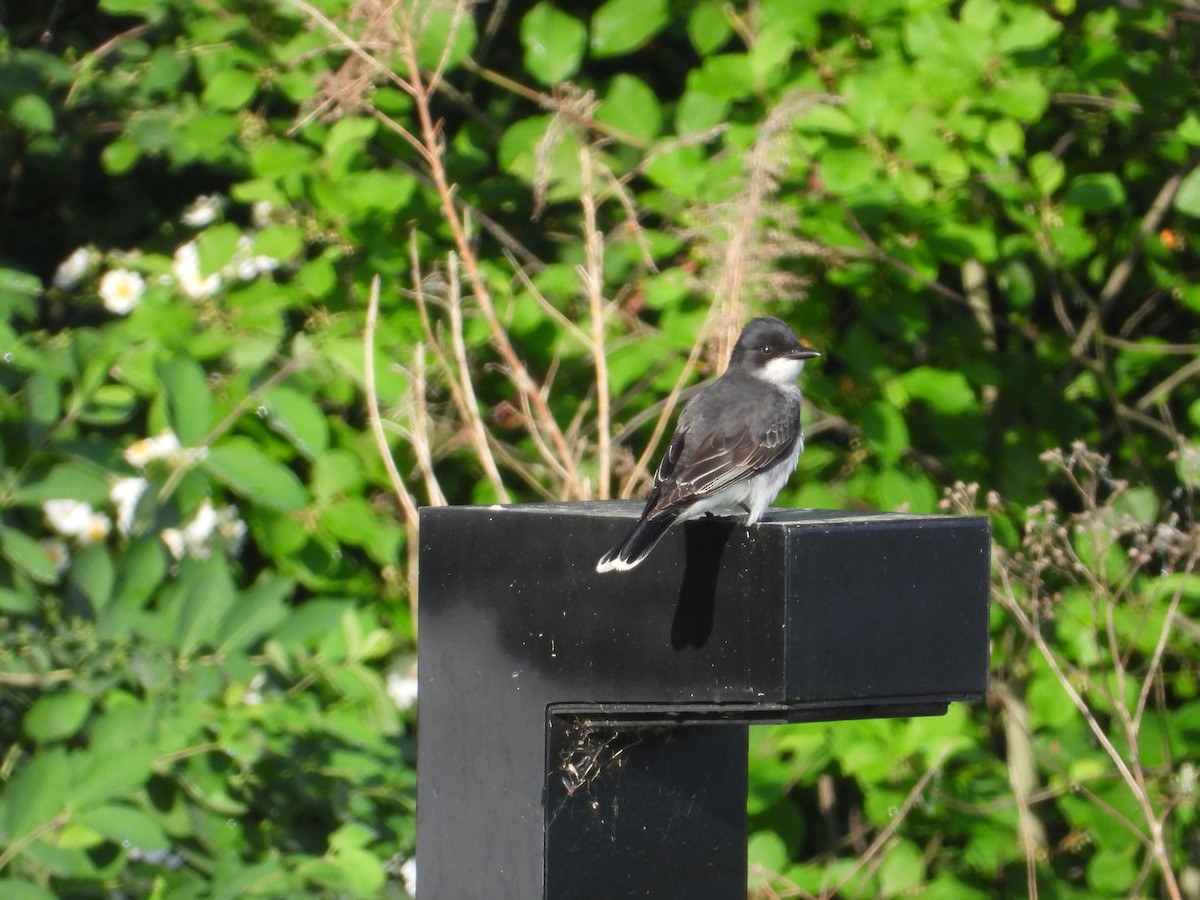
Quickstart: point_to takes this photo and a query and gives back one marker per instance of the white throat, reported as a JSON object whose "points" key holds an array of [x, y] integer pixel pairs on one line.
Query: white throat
{"points": [[781, 371]]}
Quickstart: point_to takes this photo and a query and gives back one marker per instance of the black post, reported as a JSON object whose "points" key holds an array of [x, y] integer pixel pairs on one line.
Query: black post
{"points": [[584, 735]]}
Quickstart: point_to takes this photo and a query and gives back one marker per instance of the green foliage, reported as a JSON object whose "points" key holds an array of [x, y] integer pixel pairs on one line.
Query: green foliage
{"points": [[982, 213]]}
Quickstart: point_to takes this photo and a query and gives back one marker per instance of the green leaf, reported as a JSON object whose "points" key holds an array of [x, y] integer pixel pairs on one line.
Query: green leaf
{"points": [[274, 158], [257, 611], [15, 889], [554, 43], [66, 480], [1189, 129], [1095, 192], [945, 391], [1017, 282], [109, 404], [120, 156], [1141, 503], [129, 7], [350, 520], [519, 152], [36, 792], [885, 430], [896, 490], [337, 473], [767, 851], [56, 716], [1006, 138], [142, 570], [18, 293], [928, 33], [1112, 872], [91, 577], [362, 192], [770, 55], [447, 34], [27, 555], [207, 594], [697, 111], [217, 247], [281, 242], [726, 76], [707, 26], [102, 775], [981, 16], [621, 26], [1047, 172], [1028, 29], [921, 136], [1187, 198], [189, 402], [1023, 96], [902, 870], [826, 118], [18, 602], [347, 141], [295, 416], [33, 114], [631, 106], [951, 168], [362, 871], [1074, 242], [230, 89], [237, 463], [842, 171], [125, 826]]}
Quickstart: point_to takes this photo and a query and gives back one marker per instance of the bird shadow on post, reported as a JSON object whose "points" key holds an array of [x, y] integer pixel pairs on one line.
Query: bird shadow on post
{"points": [[704, 542]]}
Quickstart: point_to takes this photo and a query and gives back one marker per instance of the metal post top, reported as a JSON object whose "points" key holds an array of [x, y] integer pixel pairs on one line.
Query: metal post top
{"points": [[808, 610], [631, 509]]}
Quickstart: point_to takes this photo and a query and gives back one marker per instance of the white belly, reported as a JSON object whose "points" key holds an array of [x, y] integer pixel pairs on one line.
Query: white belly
{"points": [[755, 494]]}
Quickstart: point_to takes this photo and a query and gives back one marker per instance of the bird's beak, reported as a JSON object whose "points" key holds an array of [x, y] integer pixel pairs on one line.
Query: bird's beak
{"points": [[803, 353]]}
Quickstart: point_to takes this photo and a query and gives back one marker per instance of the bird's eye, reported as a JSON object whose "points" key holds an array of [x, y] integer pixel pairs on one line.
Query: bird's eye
{"points": [[766, 350]]}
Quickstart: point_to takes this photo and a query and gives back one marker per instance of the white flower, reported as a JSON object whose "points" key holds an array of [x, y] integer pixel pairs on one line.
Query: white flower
{"points": [[74, 267], [98, 527], [253, 695], [68, 517], [402, 687], [248, 266], [173, 538], [60, 556], [125, 494], [76, 519], [196, 537], [408, 874], [203, 211], [121, 290], [263, 213], [140, 453], [197, 532], [232, 530], [186, 264]]}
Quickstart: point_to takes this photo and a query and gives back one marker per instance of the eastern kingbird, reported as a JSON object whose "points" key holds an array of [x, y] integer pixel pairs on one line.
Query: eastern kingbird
{"points": [[735, 446]]}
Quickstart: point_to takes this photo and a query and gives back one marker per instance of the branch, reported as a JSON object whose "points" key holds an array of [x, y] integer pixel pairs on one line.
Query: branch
{"points": [[401, 490], [592, 274]]}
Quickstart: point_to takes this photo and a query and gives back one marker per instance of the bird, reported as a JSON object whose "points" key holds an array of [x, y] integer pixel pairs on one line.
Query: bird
{"points": [[735, 445]]}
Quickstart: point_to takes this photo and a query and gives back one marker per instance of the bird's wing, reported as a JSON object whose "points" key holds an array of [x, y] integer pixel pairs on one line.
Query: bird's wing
{"points": [[691, 469]]}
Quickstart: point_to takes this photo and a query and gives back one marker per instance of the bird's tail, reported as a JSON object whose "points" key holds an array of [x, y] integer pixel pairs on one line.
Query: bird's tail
{"points": [[636, 545]]}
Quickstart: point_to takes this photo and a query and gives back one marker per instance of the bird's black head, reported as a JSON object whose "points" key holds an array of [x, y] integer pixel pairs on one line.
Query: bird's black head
{"points": [[770, 349]]}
